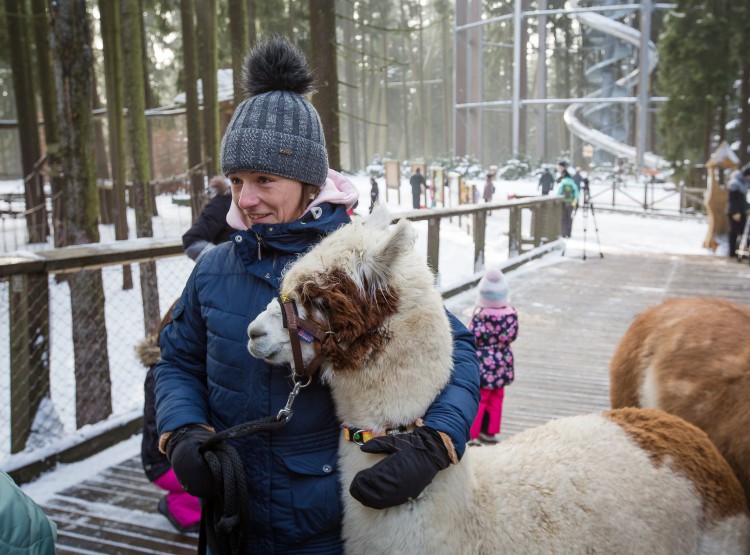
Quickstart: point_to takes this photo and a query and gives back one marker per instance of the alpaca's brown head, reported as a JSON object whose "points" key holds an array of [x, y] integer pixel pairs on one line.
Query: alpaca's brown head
{"points": [[347, 287]]}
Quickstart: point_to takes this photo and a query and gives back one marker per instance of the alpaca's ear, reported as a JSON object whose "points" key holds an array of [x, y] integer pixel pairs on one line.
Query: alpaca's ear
{"points": [[379, 219], [376, 267]]}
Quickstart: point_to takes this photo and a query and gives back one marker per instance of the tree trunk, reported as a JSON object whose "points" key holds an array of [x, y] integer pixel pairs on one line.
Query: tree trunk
{"points": [[135, 102], [238, 40], [405, 48], [192, 114], [150, 102], [48, 95], [252, 15], [745, 116], [111, 35], [106, 202], [206, 12], [351, 89], [28, 129], [73, 56], [323, 61]]}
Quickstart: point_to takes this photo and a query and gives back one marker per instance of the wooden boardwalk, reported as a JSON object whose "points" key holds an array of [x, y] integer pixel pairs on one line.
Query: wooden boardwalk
{"points": [[572, 314]]}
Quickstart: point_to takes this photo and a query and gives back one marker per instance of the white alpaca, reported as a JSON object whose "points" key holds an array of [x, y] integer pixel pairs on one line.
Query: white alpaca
{"points": [[628, 481]]}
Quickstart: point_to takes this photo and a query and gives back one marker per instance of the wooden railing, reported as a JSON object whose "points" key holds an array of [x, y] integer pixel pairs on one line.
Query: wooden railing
{"points": [[27, 276]]}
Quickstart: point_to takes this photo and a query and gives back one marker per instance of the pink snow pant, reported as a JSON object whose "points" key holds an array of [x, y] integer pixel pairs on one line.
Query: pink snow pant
{"points": [[184, 507], [491, 403]]}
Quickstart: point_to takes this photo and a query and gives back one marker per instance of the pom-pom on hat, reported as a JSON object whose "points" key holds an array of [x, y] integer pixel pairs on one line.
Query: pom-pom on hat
{"points": [[276, 130], [493, 290]]}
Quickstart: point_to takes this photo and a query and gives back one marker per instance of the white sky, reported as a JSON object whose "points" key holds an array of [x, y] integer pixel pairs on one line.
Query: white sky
{"points": [[616, 233]]}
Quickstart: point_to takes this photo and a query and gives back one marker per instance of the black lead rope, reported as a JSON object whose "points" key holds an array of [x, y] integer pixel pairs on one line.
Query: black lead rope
{"points": [[224, 515]]}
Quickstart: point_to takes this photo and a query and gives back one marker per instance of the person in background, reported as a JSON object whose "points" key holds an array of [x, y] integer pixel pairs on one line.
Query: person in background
{"points": [[494, 323], [546, 181], [489, 187], [24, 528], [568, 191], [210, 228], [181, 509], [285, 199], [417, 182], [737, 207], [374, 193]]}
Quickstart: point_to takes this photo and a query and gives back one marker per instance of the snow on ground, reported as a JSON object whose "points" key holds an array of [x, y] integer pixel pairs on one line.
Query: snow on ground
{"points": [[612, 232]]}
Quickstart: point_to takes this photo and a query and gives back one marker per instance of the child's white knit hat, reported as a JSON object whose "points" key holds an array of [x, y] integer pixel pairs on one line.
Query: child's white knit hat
{"points": [[493, 290]]}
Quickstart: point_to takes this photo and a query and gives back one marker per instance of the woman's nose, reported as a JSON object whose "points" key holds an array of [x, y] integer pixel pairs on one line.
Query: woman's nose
{"points": [[247, 197]]}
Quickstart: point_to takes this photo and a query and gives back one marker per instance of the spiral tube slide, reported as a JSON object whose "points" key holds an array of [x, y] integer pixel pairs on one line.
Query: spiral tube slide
{"points": [[592, 136]]}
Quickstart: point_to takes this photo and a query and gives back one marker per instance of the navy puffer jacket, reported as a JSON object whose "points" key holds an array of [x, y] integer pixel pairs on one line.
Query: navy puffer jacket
{"points": [[206, 375]]}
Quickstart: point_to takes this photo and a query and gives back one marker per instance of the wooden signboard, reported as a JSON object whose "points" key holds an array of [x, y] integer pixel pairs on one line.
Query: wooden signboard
{"points": [[464, 192], [454, 180], [393, 178], [436, 183]]}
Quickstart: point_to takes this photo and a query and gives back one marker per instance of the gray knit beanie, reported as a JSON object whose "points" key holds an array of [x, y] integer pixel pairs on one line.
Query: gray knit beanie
{"points": [[276, 130]]}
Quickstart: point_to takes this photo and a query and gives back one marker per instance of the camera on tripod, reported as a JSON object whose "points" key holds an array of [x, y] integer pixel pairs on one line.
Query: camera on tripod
{"points": [[586, 192]]}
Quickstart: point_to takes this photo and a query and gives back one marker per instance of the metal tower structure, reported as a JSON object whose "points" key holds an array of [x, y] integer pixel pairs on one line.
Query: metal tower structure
{"points": [[600, 118]]}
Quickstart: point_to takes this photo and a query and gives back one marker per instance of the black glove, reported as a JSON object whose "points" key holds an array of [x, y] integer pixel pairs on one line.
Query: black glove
{"points": [[415, 458], [187, 461]]}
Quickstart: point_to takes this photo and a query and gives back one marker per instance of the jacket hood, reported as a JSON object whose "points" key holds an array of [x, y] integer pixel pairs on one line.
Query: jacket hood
{"points": [[147, 350]]}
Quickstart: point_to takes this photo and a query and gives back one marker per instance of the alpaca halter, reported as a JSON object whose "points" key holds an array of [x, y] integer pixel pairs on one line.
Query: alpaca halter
{"points": [[298, 327], [361, 436]]}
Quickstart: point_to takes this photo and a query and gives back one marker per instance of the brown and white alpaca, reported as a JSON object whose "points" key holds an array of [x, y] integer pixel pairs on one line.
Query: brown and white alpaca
{"points": [[629, 481], [691, 357]]}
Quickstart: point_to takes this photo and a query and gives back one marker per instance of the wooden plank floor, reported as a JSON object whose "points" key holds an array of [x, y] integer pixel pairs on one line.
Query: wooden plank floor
{"points": [[572, 314]]}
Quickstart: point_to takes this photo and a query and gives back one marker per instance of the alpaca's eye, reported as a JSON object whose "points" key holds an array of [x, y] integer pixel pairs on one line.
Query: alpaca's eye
{"points": [[320, 303]]}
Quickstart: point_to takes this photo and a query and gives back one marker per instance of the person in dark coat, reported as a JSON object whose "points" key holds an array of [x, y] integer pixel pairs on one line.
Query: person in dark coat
{"points": [[181, 509], [489, 188], [546, 181], [285, 199], [417, 182], [737, 207], [211, 227], [374, 193]]}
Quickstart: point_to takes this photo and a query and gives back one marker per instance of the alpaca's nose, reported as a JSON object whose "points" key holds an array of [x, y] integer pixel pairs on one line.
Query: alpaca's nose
{"points": [[255, 333]]}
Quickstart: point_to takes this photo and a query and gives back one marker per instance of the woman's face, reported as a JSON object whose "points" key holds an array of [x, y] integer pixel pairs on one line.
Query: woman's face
{"points": [[264, 198]]}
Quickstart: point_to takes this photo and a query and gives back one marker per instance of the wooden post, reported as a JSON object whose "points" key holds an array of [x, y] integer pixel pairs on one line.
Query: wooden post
{"points": [[537, 224], [514, 232], [480, 223], [433, 244], [29, 353]]}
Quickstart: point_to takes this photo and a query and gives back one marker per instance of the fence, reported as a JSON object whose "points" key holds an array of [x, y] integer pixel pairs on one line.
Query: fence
{"points": [[71, 381]]}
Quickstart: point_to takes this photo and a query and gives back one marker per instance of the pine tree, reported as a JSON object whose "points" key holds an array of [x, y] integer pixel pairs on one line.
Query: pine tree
{"points": [[23, 86], [192, 113], [135, 101], [323, 60], [696, 74], [73, 62]]}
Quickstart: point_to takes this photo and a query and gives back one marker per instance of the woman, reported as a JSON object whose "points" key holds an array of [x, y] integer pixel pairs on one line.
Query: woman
{"points": [[284, 199]]}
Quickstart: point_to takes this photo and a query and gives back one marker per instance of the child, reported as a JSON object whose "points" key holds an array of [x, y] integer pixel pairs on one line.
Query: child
{"points": [[495, 327], [182, 509]]}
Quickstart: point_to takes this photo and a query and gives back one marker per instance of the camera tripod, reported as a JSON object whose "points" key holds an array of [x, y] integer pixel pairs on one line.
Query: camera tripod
{"points": [[587, 207]]}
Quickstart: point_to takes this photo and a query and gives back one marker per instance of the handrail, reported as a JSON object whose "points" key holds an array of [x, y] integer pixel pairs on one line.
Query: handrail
{"points": [[97, 255]]}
